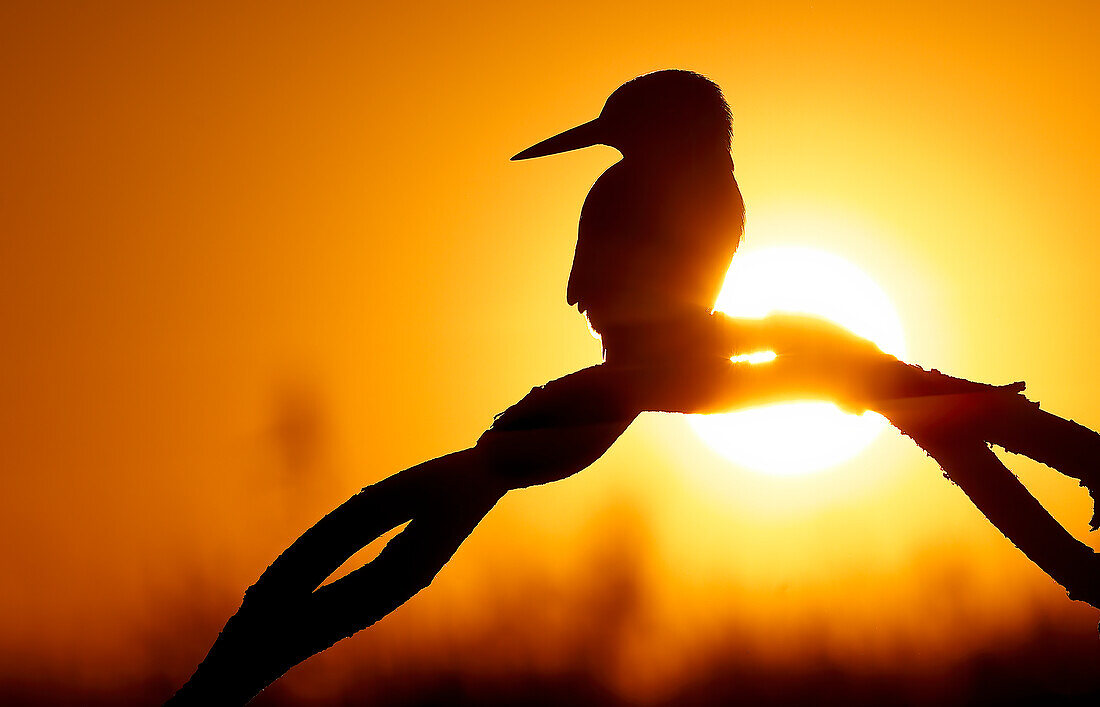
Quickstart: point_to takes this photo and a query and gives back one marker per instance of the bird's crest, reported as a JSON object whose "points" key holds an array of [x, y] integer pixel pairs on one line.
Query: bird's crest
{"points": [[673, 98]]}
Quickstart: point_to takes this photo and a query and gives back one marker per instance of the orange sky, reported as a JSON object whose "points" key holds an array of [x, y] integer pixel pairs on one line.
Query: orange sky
{"points": [[256, 257]]}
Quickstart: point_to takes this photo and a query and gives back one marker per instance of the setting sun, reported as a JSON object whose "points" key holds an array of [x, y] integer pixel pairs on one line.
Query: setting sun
{"points": [[258, 259], [797, 438]]}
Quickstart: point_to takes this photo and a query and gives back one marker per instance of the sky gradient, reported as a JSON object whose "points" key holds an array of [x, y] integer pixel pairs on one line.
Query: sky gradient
{"points": [[254, 257]]}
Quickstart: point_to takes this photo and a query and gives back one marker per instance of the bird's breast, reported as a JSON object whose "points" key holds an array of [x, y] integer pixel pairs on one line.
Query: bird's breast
{"points": [[655, 243]]}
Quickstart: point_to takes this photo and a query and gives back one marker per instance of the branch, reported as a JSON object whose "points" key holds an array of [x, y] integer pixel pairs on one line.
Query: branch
{"points": [[562, 427], [968, 461]]}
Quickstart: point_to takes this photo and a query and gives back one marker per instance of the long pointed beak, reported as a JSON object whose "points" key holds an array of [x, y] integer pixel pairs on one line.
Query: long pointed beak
{"points": [[586, 135]]}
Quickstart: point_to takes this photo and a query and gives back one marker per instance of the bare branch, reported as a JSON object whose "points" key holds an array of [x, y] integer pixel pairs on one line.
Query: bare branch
{"points": [[562, 427]]}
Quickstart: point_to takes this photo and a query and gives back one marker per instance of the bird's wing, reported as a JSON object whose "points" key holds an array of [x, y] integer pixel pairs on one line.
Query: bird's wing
{"points": [[600, 238], [585, 269]]}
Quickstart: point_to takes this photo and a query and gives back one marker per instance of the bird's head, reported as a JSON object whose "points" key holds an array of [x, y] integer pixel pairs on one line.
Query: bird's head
{"points": [[664, 112]]}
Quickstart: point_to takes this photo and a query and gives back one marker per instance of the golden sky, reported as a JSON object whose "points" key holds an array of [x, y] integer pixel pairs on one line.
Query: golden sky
{"points": [[255, 256]]}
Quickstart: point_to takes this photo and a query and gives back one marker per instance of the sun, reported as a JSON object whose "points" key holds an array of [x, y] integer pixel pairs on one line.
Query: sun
{"points": [[798, 438]]}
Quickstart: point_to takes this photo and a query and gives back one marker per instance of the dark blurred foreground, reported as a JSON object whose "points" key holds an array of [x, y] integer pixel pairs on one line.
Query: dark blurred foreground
{"points": [[1050, 664]]}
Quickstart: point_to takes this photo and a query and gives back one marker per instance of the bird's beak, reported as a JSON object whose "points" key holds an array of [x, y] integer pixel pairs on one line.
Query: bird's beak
{"points": [[591, 133]]}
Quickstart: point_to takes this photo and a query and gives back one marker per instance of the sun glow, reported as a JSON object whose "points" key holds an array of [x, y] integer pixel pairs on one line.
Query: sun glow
{"points": [[798, 438]]}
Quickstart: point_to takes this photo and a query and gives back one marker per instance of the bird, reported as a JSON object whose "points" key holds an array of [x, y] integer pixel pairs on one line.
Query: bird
{"points": [[659, 228]]}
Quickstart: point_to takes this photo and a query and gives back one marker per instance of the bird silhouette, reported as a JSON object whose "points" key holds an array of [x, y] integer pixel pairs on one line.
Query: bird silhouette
{"points": [[658, 228]]}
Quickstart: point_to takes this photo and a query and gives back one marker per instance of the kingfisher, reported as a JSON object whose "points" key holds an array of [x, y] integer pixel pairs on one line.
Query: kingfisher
{"points": [[659, 228]]}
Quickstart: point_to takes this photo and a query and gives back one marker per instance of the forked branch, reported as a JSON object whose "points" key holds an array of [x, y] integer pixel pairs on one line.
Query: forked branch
{"points": [[564, 426]]}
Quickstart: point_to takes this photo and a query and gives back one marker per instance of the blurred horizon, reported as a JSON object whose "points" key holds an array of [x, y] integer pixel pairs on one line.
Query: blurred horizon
{"points": [[256, 257]]}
